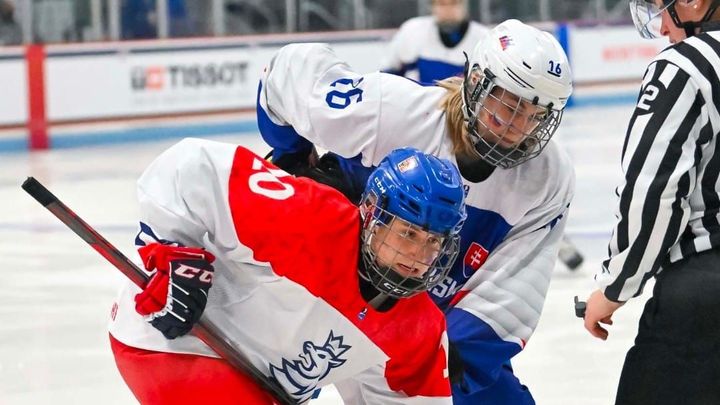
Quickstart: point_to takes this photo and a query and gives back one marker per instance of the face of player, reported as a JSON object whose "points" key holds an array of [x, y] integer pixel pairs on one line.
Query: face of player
{"points": [[687, 11], [449, 11], [406, 248], [506, 119]]}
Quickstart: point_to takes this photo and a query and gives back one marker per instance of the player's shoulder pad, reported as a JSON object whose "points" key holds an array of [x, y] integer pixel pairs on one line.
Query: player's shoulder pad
{"points": [[305, 57], [417, 24], [304, 50], [556, 168], [192, 152]]}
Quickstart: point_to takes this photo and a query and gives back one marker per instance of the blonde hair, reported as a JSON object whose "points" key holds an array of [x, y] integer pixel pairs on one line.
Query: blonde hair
{"points": [[451, 104]]}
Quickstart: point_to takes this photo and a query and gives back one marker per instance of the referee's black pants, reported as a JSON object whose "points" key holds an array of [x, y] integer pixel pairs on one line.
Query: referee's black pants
{"points": [[676, 356]]}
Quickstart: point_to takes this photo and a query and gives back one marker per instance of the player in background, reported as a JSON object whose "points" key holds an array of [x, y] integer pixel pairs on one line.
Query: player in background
{"points": [[667, 214], [430, 48], [493, 124], [311, 289]]}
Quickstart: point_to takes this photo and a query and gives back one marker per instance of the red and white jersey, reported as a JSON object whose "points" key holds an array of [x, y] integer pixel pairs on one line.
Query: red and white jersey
{"points": [[285, 289]]}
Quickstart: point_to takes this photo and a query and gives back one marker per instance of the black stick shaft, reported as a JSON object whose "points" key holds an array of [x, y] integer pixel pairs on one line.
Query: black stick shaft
{"points": [[204, 329]]}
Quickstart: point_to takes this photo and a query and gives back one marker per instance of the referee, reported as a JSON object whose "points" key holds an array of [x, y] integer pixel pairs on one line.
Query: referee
{"points": [[669, 214]]}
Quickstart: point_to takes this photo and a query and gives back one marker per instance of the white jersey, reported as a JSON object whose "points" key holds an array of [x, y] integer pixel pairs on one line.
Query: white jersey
{"points": [[416, 50], [516, 217], [286, 287]]}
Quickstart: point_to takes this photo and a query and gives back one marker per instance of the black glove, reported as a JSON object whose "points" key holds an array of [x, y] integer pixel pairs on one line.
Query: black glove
{"points": [[326, 170], [295, 163], [456, 367], [187, 274]]}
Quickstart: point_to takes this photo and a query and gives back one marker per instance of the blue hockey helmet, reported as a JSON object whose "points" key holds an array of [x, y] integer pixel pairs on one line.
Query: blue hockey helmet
{"points": [[412, 209]]}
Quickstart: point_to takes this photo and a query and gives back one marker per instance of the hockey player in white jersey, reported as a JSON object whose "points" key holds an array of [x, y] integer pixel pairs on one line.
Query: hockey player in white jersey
{"points": [[430, 48], [493, 124], [311, 289]]}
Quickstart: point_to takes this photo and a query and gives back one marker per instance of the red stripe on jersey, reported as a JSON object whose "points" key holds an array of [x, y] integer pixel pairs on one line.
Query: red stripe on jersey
{"points": [[310, 234], [458, 296], [304, 229]]}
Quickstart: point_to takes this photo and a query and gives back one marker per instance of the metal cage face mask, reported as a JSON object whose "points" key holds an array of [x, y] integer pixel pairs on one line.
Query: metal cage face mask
{"points": [[645, 15], [506, 130], [400, 258]]}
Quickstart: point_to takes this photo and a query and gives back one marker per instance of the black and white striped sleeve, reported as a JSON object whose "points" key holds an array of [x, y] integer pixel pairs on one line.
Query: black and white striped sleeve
{"points": [[659, 162]]}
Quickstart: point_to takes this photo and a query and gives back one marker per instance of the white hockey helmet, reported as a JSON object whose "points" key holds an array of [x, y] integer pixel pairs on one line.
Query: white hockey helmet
{"points": [[529, 64]]}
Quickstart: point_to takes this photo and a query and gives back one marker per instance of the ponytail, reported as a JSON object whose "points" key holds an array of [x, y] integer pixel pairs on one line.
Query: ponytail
{"points": [[451, 104]]}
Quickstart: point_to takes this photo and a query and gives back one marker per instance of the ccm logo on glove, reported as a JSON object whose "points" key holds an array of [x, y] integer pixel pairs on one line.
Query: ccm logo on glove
{"points": [[191, 272], [176, 295]]}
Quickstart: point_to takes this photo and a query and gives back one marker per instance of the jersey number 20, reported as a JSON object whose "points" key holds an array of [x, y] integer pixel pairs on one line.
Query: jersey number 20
{"points": [[267, 182]]}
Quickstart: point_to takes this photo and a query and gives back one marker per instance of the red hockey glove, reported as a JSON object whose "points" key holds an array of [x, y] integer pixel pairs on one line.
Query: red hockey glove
{"points": [[176, 295]]}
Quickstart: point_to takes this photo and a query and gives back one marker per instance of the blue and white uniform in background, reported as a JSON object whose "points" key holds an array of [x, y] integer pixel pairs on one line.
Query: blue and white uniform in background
{"points": [[417, 50], [494, 294]]}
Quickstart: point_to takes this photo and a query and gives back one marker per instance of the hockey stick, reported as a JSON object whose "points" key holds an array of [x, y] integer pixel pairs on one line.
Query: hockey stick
{"points": [[204, 329]]}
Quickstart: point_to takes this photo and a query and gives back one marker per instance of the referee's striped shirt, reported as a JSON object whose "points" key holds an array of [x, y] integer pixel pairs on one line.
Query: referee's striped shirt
{"points": [[669, 205]]}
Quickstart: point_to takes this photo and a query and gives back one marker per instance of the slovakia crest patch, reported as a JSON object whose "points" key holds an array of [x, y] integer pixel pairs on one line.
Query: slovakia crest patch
{"points": [[475, 256]]}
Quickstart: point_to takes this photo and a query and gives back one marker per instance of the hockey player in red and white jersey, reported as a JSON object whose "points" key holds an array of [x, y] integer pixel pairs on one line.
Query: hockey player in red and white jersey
{"points": [[311, 289], [496, 125]]}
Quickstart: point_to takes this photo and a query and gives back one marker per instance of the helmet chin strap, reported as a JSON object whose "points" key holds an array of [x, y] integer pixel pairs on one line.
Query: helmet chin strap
{"points": [[378, 300], [691, 26], [375, 298]]}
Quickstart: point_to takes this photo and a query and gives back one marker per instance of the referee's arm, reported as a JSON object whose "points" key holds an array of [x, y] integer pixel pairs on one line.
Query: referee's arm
{"points": [[659, 161]]}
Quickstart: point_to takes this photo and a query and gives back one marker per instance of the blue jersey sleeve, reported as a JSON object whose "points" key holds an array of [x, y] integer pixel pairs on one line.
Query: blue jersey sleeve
{"points": [[282, 138], [482, 351]]}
